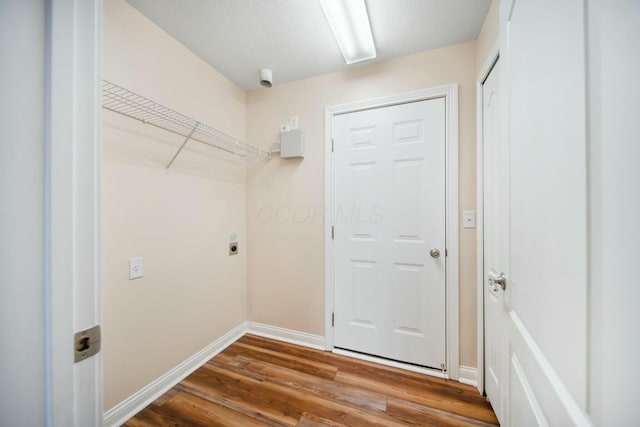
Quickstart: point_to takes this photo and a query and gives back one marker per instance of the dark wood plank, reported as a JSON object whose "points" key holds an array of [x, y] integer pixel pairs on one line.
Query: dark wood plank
{"points": [[322, 387], [302, 364], [224, 383], [230, 404], [278, 402], [409, 411], [421, 395], [148, 417], [259, 382], [200, 412], [223, 357], [310, 420]]}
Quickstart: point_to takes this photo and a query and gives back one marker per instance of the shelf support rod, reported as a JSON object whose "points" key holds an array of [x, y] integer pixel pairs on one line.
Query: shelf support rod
{"points": [[175, 156]]}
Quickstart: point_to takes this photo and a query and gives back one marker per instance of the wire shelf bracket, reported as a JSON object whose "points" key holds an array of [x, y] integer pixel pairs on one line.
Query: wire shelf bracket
{"points": [[122, 101]]}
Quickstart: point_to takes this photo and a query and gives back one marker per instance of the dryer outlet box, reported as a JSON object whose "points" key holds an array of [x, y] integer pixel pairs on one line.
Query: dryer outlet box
{"points": [[292, 144]]}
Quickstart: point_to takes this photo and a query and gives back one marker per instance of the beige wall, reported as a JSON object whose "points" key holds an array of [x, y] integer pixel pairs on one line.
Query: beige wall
{"points": [[192, 291], [488, 34], [285, 261]]}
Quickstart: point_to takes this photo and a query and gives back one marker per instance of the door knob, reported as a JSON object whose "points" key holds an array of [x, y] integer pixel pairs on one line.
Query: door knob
{"points": [[499, 281], [434, 253]]}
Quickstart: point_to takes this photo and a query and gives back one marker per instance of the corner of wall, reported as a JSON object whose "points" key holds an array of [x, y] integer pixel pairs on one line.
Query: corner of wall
{"points": [[488, 34]]}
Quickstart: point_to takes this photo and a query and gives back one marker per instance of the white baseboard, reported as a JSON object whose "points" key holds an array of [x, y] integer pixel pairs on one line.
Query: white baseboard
{"points": [[142, 398], [468, 375], [286, 335]]}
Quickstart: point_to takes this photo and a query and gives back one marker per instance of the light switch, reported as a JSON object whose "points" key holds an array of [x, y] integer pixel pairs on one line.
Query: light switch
{"points": [[469, 219], [136, 268]]}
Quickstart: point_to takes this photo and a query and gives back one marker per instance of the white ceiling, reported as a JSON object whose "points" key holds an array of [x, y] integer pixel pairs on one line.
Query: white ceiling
{"points": [[292, 37]]}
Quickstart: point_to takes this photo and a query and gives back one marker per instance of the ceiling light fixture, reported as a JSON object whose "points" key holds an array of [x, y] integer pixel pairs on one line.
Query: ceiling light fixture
{"points": [[349, 22]]}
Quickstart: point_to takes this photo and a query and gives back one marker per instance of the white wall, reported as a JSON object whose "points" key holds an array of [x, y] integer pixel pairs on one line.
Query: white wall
{"points": [[614, 233], [192, 291], [22, 348]]}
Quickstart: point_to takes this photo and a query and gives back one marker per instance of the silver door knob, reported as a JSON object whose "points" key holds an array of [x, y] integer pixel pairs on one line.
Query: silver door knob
{"points": [[434, 253], [498, 281]]}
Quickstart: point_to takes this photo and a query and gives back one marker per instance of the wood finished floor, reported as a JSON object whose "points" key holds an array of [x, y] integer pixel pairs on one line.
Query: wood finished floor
{"points": [[262, 382]]}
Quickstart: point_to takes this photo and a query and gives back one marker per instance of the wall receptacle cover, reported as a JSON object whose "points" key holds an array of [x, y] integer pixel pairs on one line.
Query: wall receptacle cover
{"points": [[469, 219], [136, 268], [233, 248]]}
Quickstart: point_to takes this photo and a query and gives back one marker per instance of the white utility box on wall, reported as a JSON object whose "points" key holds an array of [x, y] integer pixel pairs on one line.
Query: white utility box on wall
{"points": [[292, 144]]}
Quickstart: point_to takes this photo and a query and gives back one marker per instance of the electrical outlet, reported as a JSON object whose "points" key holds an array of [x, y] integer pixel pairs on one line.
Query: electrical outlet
{"points": [[136, 268], [233, 248]]}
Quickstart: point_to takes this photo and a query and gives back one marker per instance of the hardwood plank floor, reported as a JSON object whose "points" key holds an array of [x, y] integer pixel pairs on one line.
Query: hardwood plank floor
{"points": [[262, 382]]}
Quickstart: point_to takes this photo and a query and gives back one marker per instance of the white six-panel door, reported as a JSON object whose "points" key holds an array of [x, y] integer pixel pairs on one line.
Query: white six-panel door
{"points": [[389, 214]]}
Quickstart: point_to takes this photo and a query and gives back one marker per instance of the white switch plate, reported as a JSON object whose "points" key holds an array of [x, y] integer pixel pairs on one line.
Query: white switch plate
{"points": [[233, 237], [136, 268], [469, 219]]}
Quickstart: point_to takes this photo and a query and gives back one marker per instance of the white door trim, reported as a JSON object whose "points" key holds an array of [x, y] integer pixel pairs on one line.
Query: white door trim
{"points": [[73, 293], [450, 93], [489, 62]]}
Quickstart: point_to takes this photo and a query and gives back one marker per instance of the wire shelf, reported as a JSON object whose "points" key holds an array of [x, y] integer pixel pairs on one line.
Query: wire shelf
{"points": [[122, 101]]}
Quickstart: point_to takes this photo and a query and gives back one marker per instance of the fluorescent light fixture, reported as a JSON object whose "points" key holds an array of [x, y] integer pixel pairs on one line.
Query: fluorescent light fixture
{"points": [[349, 22]]}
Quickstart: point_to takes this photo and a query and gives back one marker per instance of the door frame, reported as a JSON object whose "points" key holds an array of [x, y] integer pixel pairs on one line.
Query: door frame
{"points": [[489, 62], [72, 169], [450, 94]]}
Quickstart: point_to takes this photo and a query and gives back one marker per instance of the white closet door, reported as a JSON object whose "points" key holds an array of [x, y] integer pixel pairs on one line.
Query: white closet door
{"points": [[543, 88]]}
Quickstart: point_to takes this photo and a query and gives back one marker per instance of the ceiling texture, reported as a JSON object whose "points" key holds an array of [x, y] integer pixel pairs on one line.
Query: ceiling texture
{"points": [[293, 38]]}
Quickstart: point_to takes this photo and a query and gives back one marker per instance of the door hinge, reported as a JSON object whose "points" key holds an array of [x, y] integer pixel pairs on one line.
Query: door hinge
{"points": [[332, 145], [86, 343], [446, 252], [333, 232], [333, 319]]}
